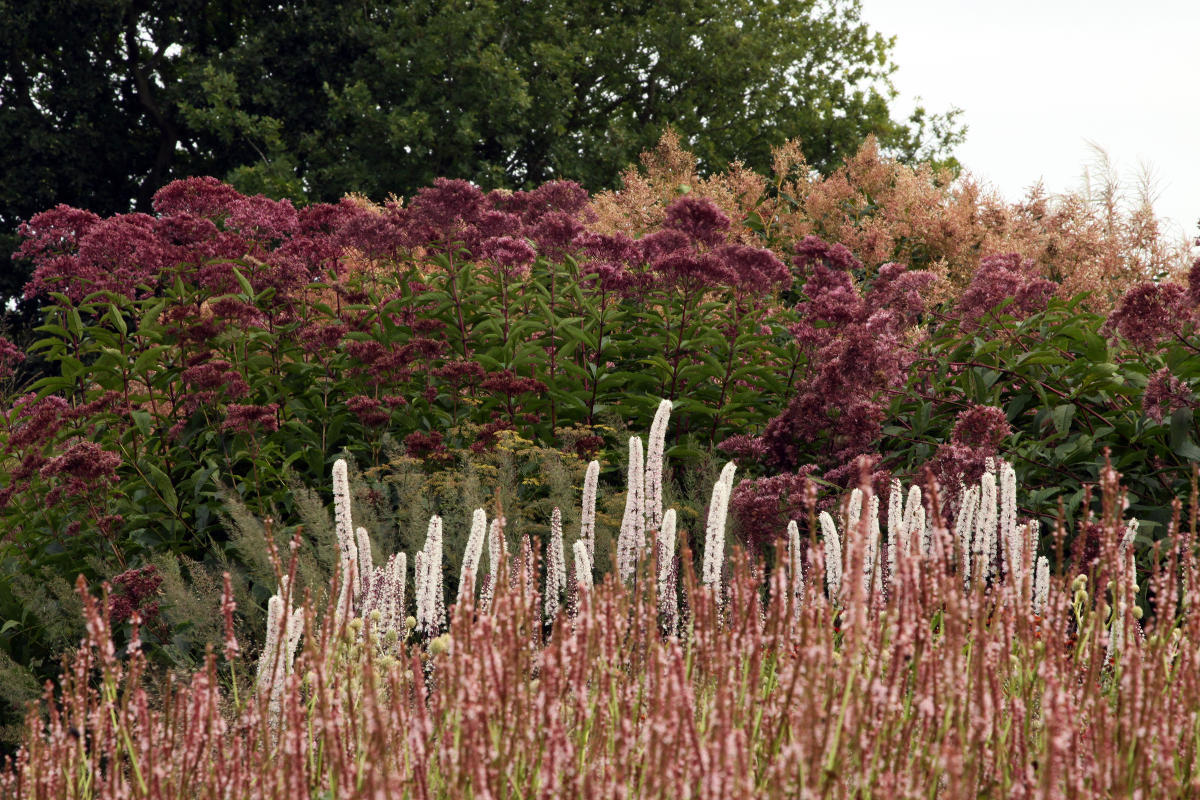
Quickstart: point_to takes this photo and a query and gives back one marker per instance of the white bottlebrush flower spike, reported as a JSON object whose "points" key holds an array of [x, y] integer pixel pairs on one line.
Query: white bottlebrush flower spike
{"points": [[587, 527], [365, 563], [472, 554], [985, 527], [654, 466], [666, 571], [583, 567], [632, 537], [795, 562], [496, 551], [1010, 534], [714, 533], [1041, 585], [833, 556], [556, 567]]}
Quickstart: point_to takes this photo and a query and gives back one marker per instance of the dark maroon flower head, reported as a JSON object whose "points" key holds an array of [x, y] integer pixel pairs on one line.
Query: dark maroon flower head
{"points": [[264, 218], [508, 383], [699, 218], [84, 461], [34, 421], [1194, 281], [10, 355], [663, 244], [368, 410], [442, 213], [832, 297], [763, 507], [1150, 313], [566, 197], [461, 373], [744, 448], [755, 270], [320, 338], [494, 223], [131, 591], [902, 290], [426, 445], [694, 270], [611, 276], [1000, 278], [608, 247], [513, 256], [488, 435], [981, 426], [554, 233], [1164, 395], [813, 251], [249, 418], [201, 196]]}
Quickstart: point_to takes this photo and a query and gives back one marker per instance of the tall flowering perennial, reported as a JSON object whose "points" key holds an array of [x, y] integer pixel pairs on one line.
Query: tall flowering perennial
{"points": [[496, 552], [556, 568], [632, 538], [349, 577], [431, 608], [714, 532], [284, 626], [795, 563], [833, 556], [472, 555], [386, 595], [587, 525], [654, 466], [668, 605]]}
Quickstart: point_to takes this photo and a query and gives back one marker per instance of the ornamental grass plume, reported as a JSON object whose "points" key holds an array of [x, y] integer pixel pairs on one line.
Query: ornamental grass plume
{"points": [[632, 538], [714, 532], [556, 567], [654, 466]]}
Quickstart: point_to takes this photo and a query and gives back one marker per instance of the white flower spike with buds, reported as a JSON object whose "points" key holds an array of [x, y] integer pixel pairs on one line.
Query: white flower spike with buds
{"points": [[654, 466], [472, 554], [833, 556], [583, 567], [587, 527], [556, 568], [714, 534], [667, 604], [632, 537]]}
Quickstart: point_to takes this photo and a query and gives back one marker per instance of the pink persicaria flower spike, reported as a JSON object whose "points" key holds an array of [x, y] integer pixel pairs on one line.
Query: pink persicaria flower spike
{"points": [[654, 466], [472, 554], [714, 533], [632, 537], [556, 567], [587, 527]]}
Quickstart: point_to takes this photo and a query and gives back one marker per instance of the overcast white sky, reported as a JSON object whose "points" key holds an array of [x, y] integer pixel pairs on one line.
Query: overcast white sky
{"points": [[1038, 79]]}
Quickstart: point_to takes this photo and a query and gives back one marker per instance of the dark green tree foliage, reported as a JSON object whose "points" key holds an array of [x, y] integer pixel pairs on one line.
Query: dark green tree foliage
{"points": [[511, 93], [103, 102]]}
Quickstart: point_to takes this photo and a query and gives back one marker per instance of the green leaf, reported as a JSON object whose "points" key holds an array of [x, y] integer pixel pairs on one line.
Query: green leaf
{"points": [[1061, 416]]}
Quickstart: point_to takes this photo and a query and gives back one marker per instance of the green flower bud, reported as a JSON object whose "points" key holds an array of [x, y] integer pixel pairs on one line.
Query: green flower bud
{"points": [[375, 615], [1081, 596], [410, 623], [1138, 612]]}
